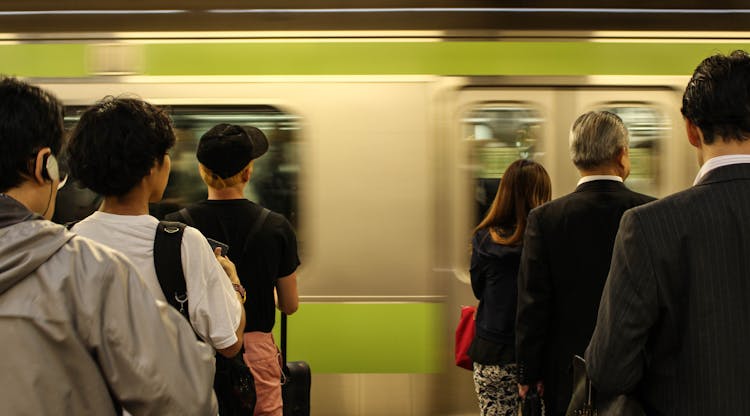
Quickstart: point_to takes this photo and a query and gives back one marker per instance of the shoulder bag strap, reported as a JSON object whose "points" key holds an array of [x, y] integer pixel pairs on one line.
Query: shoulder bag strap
{"points": [[256, 227], [168, 264], [188, 219]]}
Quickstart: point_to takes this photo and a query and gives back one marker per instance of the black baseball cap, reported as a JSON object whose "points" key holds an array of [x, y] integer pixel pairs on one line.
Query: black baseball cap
{"points": [[227, 148]]}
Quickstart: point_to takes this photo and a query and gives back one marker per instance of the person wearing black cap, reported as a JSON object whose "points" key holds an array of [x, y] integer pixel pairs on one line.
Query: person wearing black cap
{"points": [[262, 244]]}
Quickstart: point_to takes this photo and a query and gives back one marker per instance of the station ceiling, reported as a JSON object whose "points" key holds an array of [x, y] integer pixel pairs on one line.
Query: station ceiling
{"points": [[46, 16]]}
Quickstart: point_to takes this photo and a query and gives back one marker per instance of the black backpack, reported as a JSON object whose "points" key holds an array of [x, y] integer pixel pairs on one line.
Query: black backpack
{"points": [[233, 382]]}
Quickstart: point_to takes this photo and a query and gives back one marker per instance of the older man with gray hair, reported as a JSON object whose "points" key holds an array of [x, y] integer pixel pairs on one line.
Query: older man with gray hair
{"points": [[567, 250]]}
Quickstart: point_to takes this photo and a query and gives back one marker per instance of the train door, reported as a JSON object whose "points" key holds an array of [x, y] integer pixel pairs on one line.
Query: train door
{"points": [[493, 126]]}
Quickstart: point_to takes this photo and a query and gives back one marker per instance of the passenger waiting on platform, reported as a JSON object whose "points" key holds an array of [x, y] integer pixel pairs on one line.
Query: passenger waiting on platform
{"points": [[496, 252], [567, 248], [262, 243], [81, 334], [119, 150], [674, 326]]}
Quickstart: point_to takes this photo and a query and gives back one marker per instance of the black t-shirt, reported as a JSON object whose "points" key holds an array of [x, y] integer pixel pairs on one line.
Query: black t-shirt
{"points": [[272, 253]]}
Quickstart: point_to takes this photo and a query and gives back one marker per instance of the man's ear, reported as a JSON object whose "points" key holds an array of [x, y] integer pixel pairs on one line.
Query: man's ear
{"points": [[694, 133], [622, 155], [622, 161], [39, 173], [248, 172]]}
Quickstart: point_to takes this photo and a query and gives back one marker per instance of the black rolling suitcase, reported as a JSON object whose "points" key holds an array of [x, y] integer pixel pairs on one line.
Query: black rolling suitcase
{"points": [[295, 392]]}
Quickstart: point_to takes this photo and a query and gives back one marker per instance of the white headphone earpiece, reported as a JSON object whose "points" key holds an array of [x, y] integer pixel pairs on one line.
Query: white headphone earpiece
{"points": [[51, 170]]}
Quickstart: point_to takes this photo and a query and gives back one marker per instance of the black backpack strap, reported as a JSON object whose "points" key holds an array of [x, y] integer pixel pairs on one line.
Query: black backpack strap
{"points": [[256, 227], [168, 264]]}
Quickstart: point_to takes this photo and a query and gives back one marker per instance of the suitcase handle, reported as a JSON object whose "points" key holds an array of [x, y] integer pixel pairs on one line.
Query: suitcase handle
{"points": [[283, 338]]}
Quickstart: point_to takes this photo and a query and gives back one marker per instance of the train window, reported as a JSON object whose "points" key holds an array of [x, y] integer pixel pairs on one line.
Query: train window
{"points": [[498, 134], [648, 128], [275, 176]]}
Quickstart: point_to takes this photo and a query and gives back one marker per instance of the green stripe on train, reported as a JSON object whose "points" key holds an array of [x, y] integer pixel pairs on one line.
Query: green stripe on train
{"points": [[377, 58], [43, 60], [366, 337]]}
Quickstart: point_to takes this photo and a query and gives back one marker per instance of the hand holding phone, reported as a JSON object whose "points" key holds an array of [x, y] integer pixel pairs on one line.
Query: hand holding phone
{"points": [[224, 247]]}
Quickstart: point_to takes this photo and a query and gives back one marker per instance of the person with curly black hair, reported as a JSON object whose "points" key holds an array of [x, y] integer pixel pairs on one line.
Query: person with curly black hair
{"points": [[117, 143], [119, 150]]}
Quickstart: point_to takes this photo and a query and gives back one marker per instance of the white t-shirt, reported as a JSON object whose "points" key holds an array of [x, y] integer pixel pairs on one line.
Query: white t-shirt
{"points": [[214, 309]]}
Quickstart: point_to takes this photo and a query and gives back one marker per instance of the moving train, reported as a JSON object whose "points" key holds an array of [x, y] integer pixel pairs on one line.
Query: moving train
{"points": [[386, 148]]}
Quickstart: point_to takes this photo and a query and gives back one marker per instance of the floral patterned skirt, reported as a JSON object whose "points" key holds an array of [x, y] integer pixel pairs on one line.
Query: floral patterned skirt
{"points": [[497, 389]]}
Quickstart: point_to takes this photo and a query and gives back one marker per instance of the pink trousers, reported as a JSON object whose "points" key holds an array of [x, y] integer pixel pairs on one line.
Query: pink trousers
{"points": [[264, 360]]}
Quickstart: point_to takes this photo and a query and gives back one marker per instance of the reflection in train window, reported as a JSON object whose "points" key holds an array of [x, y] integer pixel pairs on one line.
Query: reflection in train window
{"points": [[498, 134], [274, 183], [648, 128]]}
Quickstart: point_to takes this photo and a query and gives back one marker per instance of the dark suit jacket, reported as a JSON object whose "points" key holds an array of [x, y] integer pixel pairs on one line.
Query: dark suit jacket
{"points": [[674, 322], [567, 249]]}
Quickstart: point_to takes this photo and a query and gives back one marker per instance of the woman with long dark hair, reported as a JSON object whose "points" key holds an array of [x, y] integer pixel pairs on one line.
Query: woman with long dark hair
{"points": [[496, 253]]}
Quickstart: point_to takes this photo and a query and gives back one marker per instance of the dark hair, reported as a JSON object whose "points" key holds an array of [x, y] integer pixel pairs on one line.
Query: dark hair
{"points": [[116, 143], [524, 186], [30, 119], [717, 98]]}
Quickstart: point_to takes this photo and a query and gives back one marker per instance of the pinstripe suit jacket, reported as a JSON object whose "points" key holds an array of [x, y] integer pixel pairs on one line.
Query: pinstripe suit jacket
{"points": [[674, 320]]}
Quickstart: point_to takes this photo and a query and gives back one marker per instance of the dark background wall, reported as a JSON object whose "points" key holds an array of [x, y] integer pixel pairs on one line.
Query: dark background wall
{"points": [[45, 16]]}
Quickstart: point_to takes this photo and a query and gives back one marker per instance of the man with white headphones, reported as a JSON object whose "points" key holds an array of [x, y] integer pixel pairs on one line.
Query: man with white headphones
{"points": [[81, 333]]}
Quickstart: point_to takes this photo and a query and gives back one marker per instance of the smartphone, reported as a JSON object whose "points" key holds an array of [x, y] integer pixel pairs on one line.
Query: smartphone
{"points": [[224, 247]]}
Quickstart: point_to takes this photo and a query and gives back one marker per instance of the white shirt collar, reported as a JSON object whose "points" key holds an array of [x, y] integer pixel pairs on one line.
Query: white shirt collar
{"points": [[599, 178], [719, 161]]}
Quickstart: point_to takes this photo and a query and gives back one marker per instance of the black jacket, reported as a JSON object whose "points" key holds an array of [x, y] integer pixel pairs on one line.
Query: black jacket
{"points": [[494, 271], [567, 250]]}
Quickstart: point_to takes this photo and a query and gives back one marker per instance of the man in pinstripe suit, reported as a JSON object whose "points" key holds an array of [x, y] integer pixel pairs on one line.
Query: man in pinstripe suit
{"points": [[674, 321]]}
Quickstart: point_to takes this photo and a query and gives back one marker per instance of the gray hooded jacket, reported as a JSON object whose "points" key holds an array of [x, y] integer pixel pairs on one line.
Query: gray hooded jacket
{"points": [[79, 328]]}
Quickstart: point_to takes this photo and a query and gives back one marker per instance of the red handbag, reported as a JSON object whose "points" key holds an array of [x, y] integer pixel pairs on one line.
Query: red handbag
{"points": [[464, 335]]}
